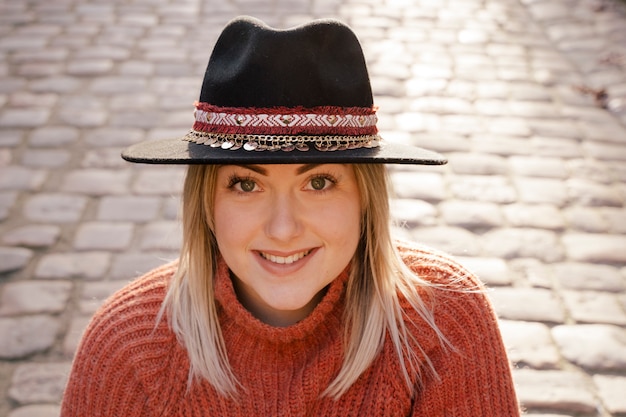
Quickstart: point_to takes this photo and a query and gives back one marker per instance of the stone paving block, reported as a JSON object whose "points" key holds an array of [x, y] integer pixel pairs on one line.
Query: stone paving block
{"points": [[531, 272], [527, 304], [608, 131], [471, 214], [419, 185], [115, 85], [10, 137], [32, 297], [611, 390], [539, 216], [553, 128], [94, 293], [7, 201], [491, 271], [23, 336], [492, 107], [53, 136], [136, 68], [48, 54], [587, 276], [172, 208], [464, 124], [532, 109], [103, 158], [541, 191], [24, 118], [511, 126], [88, 265], [439, 105], [35, 236], [74, 334], [504, 145], [127, 266], [411, 213], [16, 177], [529, 344], [60, 84], [128, 208], [96, 182], [559, 391], [5, 157], [54, 208], [161, 236], [592, 346], [12, 259], [39, 382], [83, 118], [599, 248], [10, 85], [534, 166], [531, 91], [477, 164], [585, 219], [114, 137], [616, 219], [89, 67], [37, 410], [511, 243], [49, 158], [594, 307], [32, 70], [490, 189], [605, 151], [454, 240], [103, 236], [589, 193], [150, 181]]}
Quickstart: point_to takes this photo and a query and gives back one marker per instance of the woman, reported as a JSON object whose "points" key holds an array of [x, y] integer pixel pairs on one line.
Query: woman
{"points": [[290, 297]]}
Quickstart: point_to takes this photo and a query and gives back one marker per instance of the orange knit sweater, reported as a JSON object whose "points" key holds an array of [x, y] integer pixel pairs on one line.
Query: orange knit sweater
{"points": [[126, 367]]}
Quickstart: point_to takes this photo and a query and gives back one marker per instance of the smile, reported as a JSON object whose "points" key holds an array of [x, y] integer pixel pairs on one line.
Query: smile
{"points": [[285, 259]]}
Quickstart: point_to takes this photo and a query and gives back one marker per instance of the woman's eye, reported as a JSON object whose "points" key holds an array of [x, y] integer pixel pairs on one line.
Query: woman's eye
{"points": [[242, 185], [319, 183], [247, 185]]}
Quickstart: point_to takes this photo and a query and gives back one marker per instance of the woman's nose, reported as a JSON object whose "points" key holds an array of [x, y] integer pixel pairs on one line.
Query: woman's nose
{"points": [[283, 222]]}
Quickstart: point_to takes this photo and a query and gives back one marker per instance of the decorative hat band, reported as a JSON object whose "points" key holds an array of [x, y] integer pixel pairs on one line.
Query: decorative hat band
{"points": [[326, 128]]}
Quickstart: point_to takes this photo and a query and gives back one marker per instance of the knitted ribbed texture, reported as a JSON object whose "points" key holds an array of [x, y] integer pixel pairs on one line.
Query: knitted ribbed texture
{"points": [[126, 367]]}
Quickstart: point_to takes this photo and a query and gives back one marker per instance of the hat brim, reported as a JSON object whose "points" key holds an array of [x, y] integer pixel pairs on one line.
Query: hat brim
{"points": [[178, 151]]}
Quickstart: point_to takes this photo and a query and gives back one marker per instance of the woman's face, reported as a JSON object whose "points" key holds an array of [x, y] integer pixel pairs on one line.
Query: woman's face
{"points": [[285, 231]]}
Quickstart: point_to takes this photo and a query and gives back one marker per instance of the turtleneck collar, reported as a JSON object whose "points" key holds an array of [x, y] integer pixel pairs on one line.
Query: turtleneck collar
{"points": [[327, 314]]}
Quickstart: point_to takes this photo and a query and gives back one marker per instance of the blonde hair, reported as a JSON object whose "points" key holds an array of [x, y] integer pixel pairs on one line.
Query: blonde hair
{"points": [[378, 278]]}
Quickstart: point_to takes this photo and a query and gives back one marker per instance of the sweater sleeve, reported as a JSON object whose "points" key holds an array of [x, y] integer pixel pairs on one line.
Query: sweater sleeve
{"points": [[473, 374], [106, 376]]}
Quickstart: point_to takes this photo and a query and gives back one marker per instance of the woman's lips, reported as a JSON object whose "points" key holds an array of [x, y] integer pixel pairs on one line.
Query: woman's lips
{"points": [[285, 260]]}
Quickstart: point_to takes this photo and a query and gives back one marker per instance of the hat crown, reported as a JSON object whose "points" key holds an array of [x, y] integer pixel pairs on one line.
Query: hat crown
{"points": [[317, 64]]}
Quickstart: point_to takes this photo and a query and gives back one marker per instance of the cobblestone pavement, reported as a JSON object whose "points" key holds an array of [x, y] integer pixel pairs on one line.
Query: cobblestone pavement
{"points": [[526, 97]]}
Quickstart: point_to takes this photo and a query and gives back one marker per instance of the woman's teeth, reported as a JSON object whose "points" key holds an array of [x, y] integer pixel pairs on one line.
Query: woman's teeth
{"points": [[285, 259]]}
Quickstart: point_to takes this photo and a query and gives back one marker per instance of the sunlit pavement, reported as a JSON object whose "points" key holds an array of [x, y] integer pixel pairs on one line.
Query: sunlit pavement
{"points": [[526, 98]]}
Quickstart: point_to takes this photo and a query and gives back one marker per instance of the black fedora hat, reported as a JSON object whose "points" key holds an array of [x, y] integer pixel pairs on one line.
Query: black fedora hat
{"points": [[269, 96]]}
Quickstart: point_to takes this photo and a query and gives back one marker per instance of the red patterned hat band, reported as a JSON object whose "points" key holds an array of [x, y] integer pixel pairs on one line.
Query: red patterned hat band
{"points": [[284, 128]]}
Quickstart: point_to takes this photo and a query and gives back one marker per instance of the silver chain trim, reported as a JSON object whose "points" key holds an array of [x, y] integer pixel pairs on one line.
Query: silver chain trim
{"points": [[284, 143]]}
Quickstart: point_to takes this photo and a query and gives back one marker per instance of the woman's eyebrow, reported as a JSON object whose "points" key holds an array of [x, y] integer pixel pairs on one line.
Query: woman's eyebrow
{"points": [[259, 169], [256, 168], [305, 168]]}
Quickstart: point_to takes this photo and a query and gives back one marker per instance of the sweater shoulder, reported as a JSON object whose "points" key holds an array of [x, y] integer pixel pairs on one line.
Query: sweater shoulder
{"points": [[126, 353], [455, 297], [126, 329], [437, 268]]}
